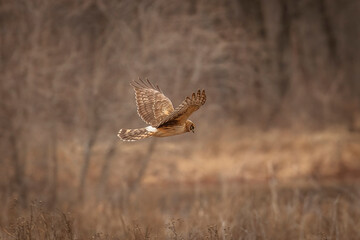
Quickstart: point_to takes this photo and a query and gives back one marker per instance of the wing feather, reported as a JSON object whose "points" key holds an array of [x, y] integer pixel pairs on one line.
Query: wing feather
{"points": [[152, 105], [186, 108]]}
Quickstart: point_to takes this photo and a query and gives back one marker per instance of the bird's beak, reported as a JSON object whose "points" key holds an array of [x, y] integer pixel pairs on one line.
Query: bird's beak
{"points": [[193, 130]]}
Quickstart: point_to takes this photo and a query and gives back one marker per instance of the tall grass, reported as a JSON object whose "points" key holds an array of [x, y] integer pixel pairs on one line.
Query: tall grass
{"points": [[225, 211]]}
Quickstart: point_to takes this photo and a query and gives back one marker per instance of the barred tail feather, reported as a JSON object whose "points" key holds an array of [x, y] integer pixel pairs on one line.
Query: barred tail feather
{"points": [[134, 134]]}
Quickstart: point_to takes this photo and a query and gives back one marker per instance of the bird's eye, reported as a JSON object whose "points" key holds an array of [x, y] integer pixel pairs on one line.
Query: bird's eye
{"points": [[191, 127]]}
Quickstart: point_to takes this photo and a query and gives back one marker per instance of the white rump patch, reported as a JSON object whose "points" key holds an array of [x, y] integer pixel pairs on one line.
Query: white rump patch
{"points": [[151, 129]]}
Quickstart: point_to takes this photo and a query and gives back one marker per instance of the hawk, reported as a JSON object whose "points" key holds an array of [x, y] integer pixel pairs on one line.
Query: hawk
{"points": [[156, 109]]}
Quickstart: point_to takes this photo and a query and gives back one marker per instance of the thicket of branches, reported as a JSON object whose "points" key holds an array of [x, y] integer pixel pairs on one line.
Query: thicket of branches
{"points": [[65, 68]]}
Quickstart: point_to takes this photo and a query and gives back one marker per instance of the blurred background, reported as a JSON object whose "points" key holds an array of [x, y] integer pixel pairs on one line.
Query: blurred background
{"points": [[283, 107]]}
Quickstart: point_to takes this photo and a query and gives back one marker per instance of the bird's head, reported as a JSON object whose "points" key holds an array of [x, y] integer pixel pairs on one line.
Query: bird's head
{"points": [[190, 126]]}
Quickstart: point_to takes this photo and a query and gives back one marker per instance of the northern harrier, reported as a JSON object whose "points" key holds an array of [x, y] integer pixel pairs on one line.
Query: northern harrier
{"points": [[156, 109]]}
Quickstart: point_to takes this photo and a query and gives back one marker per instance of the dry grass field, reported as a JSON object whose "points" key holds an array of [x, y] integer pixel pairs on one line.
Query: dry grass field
{"points": [[309, 210], [266, 185]]}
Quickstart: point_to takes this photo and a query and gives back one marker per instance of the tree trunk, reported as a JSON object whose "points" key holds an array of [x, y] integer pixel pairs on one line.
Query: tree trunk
{"points": [[144, 164], [54, 170], [87, 157], [19, 171], [106, 166]]}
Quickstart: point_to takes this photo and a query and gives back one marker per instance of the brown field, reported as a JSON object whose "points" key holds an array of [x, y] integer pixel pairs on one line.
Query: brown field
{"points": [[310, 210], [274, 185]]}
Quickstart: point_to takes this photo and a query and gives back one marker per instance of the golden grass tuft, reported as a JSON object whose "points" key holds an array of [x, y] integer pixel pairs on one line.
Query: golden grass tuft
{"points": [[228, 211]]}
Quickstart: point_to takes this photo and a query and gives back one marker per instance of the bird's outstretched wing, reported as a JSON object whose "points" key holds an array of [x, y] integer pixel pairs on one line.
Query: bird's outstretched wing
{"points": [[186, 108], [152, 105]]}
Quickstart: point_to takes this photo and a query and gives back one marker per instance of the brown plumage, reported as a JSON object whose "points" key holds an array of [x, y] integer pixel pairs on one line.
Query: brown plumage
{"points": [[156, 109]]}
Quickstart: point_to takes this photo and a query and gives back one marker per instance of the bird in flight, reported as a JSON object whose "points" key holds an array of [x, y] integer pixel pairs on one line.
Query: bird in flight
{"points": [[156, 109]]}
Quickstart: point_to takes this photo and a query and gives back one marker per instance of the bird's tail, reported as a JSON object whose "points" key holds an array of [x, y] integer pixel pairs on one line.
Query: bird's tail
{"points": [[134, 134]]}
